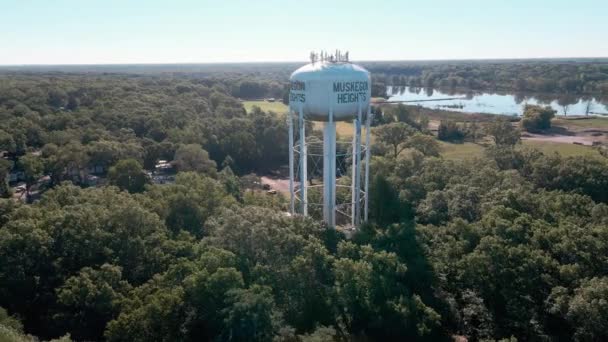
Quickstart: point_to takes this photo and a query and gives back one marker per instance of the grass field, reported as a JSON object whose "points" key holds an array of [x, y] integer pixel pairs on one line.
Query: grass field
{"points": [[277, 106], [471, 150], [460, 151], [562, 148]]}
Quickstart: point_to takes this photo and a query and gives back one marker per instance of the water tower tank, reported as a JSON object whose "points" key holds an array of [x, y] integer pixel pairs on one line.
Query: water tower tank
{"points": [[326, 86]]}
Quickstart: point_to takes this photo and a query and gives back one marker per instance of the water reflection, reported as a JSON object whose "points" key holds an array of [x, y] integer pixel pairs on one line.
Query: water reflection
{"points": [[499, 103]]}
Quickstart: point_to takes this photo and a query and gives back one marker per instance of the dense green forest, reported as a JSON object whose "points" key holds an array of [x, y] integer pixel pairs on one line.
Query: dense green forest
{"points": [[512, 245]]}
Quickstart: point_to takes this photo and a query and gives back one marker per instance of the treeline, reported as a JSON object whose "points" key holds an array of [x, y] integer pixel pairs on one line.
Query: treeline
{"points": [[549, 76], [245, 87], [241, 80], [573, 76]]}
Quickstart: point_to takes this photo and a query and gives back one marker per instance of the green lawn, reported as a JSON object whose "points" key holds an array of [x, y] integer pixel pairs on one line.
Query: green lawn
{"points": [[277, 106], [562, 148], [470, 150], [460, 151]]}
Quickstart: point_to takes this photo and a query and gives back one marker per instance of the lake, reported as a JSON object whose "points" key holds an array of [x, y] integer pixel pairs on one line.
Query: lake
{"points": [[497, 103]]}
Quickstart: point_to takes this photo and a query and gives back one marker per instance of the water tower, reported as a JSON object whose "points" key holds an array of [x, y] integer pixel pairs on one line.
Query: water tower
{"points": [[329, 90]]}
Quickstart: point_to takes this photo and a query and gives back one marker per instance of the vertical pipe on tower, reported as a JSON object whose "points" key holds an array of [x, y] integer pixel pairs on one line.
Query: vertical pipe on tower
{"points": [[329, 172], [353, 173], [367, 157], [292, 199], [358, 169], [326, 167], [303, 165], [332, 171], [329, 167]]}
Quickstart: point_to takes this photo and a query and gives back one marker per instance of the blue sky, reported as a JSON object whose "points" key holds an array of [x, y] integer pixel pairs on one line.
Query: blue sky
{"points": [[112, 31]]}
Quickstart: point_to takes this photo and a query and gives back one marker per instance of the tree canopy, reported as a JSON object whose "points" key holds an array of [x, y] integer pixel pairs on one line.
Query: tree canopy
{"points": [[510, 245]]}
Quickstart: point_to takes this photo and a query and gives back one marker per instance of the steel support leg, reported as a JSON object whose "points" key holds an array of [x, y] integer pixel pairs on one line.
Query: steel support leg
{"points": [[329, 173], [292, 195], [303, 165], [367, 158]]}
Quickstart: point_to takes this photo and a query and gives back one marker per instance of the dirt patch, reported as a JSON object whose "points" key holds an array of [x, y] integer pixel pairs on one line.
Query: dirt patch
{"points": [[583, 139], [434, 125], [279, 184]]}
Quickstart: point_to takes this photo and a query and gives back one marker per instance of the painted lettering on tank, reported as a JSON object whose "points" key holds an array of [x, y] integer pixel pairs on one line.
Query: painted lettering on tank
{"points": [[297, 85], [297, 93], [351, 91]]}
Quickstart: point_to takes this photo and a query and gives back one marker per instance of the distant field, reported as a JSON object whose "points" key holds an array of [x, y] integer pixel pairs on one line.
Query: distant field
{"points": [[460, 151], [563, 149], [442, 114], [584, 123], [277, 106], [471, 150], [467, 150]]}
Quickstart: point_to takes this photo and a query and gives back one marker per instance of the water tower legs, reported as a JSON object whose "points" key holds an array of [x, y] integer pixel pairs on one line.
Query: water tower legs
{"points": [[298, 169]]}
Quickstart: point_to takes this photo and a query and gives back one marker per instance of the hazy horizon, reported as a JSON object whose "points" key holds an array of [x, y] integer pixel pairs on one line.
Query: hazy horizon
{"points": [[307, 61], [68, 32]]}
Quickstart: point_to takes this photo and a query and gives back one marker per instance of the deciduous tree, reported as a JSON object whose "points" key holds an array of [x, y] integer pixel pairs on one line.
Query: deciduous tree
{"points": [[129, 175], [394, 135]]}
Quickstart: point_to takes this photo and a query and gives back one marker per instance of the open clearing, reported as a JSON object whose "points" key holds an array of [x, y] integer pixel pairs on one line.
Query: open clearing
{"points": [[276, 106], [568, 130], [579, 130], [583, 139], [276, 183], [579, 123], [569, 137], [565, 149], [472, 150]]}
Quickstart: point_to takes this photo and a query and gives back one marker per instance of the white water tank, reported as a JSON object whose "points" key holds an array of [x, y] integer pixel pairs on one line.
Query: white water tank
{"points": [[319, 88]]}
